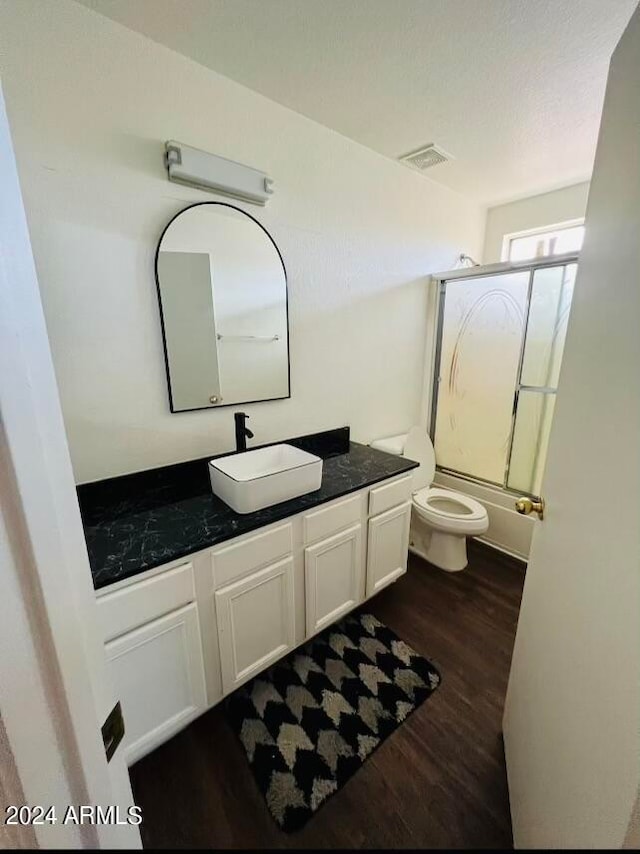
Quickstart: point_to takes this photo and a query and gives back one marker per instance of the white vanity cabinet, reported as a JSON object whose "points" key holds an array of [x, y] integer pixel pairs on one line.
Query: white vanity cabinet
{"points": [[333, 575], [253, 602], [160, 678], [388, 547], [388, 534], [256, 623], [181, 637], [157, 667], [334, 561]]}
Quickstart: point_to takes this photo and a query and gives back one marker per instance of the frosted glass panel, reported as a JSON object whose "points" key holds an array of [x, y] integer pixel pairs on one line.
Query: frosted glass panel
{"points": [[481, 341], [530, 441], [551, 296]]}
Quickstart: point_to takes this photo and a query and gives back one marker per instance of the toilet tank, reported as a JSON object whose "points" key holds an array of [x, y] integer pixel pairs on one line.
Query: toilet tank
{"points": [[392, 444], [415, 445]]}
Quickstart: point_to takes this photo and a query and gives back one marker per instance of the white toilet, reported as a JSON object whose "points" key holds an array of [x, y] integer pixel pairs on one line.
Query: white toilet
{"points": [[442, 519]]}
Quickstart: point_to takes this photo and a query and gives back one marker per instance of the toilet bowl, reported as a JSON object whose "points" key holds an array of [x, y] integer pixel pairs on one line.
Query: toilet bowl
{"points": [[441, 519]]}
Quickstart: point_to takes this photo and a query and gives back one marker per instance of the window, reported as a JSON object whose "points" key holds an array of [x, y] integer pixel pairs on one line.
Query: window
{"points": [[549, 241], [500, 343]]}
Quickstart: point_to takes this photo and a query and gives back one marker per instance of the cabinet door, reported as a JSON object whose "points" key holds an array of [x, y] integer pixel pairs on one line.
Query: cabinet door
{"points": [[333, 578], [159, 678], [255, 622], [388, 547]]}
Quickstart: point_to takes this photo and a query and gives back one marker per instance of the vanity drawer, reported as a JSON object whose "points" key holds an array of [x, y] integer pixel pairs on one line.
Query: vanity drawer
{"points": [[133, 606], [329, 520], [389, 495], [241, 558]]}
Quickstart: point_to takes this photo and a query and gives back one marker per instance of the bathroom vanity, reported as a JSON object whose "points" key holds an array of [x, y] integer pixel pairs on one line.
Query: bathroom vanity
{"points": [[194, 599]]}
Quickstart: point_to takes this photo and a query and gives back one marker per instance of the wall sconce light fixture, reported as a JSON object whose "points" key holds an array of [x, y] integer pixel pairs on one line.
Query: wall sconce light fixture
{"points": [[195, 168]]}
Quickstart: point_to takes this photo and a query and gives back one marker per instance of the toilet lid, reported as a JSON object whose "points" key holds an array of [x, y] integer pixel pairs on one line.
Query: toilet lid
{"points": [[418, 447]]}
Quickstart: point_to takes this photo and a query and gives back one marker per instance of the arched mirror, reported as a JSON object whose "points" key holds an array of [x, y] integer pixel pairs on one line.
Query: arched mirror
{"points": [[222, 288]]}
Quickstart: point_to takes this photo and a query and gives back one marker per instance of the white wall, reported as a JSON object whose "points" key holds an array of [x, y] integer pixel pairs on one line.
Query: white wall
{"points": [[533, 212], [91, 105]]}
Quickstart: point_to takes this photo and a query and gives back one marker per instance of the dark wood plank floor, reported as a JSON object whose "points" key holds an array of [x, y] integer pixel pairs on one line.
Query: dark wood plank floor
{"points": [[437, 782]]}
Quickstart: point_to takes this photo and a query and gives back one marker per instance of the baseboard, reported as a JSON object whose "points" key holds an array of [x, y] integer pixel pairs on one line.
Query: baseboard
{"points": [[415, 551], [490, 545]]}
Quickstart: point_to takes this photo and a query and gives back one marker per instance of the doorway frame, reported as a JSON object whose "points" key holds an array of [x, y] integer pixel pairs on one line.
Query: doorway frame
{"points": [[55, 686]]}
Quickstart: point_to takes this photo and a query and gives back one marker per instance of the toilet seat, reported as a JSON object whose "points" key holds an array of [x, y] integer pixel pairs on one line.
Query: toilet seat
{"points": [[446, 510]]}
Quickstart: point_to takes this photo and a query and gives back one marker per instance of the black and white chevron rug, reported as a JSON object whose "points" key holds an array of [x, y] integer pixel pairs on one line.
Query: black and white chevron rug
{"points": [[310, 721]]}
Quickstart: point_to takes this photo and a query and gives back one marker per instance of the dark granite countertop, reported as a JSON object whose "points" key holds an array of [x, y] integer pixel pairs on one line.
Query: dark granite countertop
{"points": [[139, 521]]}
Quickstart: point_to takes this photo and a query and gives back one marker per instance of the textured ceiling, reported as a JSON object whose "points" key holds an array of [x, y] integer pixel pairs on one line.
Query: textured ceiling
{"points": [[511, 88]]}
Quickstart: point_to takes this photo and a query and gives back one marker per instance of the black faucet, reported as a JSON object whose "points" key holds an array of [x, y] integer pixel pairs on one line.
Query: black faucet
{"points": [[242, 431]]}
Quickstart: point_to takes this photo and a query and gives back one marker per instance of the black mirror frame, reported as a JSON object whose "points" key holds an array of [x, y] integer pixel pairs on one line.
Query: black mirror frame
{"points": [[162, 324]]}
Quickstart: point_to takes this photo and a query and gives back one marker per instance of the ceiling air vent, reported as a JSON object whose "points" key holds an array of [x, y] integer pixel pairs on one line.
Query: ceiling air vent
{"points": [[426, 157]]}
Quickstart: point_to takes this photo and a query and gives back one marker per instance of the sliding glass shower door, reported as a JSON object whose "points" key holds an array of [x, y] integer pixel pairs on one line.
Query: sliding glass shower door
{"points": [[499, 351]]}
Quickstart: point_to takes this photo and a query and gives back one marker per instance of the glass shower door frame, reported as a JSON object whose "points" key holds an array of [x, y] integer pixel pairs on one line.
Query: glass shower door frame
{"points": [[441, 280]]}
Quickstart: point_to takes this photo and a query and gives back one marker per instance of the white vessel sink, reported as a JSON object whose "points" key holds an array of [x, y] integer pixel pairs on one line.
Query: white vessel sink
{"points": [[257, 479]]}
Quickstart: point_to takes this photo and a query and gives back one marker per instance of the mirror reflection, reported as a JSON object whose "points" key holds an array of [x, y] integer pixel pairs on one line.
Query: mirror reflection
{"points": [[223, 299]]}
